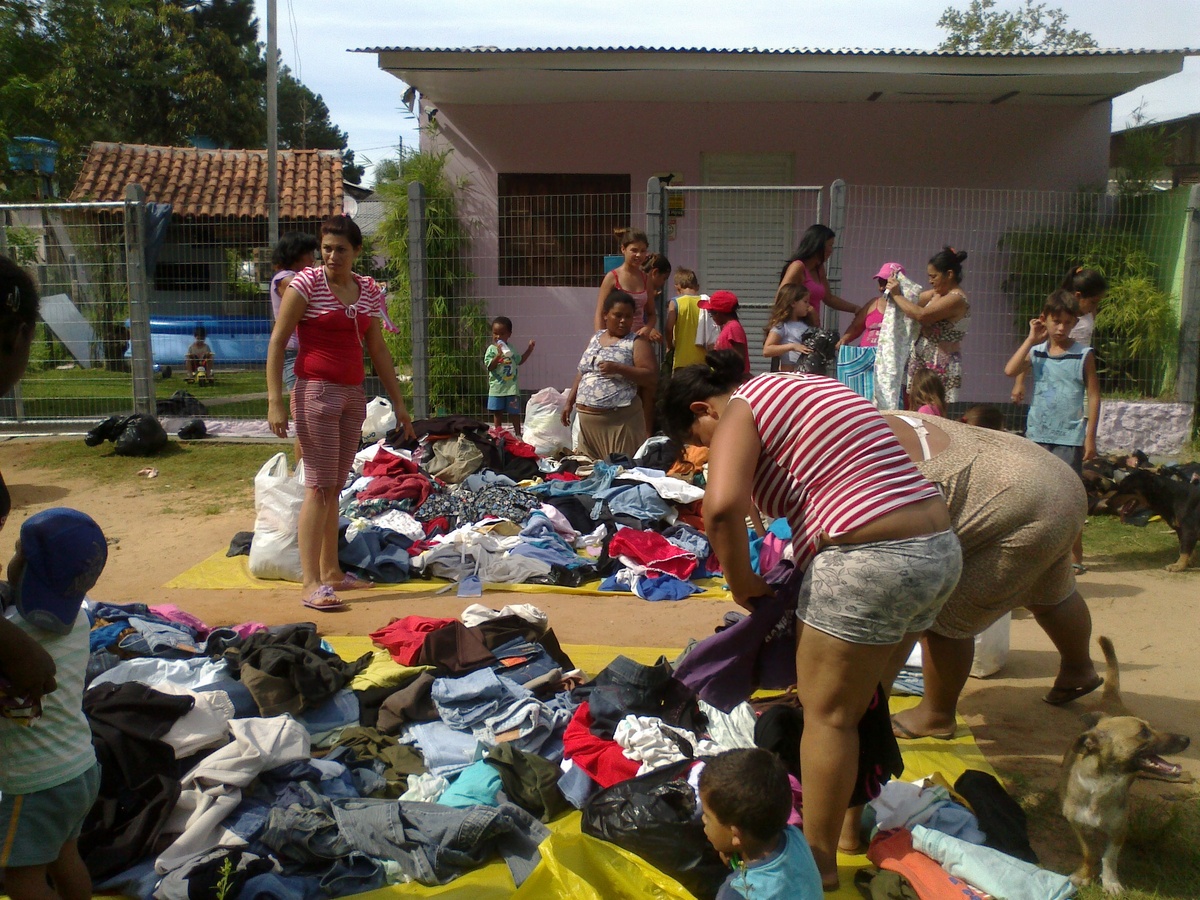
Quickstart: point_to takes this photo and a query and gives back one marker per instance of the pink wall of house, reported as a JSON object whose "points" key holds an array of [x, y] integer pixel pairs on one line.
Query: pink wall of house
{"points": [[925, 146]]}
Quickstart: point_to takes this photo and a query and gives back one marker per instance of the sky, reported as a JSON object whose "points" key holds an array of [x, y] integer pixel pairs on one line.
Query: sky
{"points": [[315, 37]]}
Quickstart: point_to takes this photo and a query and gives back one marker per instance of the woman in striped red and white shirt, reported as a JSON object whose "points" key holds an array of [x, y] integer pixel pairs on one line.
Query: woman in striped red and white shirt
{"points": [[870, 533], [335, 313]]}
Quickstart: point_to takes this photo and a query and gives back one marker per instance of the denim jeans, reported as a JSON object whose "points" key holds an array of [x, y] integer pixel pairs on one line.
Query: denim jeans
{"points": [[435, 844], [467, 701]]}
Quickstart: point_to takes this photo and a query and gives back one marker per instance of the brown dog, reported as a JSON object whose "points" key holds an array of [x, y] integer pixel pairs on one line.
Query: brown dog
{"points": [[1098, 771]]}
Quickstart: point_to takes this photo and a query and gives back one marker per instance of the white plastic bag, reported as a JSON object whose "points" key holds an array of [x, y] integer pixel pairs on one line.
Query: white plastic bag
{"points": [[379, 421], [275, 551], [543, 429], [991, 648]]}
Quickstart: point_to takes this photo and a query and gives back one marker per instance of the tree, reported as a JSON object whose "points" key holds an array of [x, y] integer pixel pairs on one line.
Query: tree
{"points": [[143, 71], [304, 124], [1030, 27]]}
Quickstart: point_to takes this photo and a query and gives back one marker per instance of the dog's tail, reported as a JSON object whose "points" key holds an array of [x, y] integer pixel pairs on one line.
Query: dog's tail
{"points": [[1110, 698]]}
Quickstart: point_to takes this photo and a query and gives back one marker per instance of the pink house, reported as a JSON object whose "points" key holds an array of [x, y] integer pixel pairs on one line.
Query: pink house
{"points": [[557, 145]]}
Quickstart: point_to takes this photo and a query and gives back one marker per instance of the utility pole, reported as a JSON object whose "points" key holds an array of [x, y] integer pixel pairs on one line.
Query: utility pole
{"points": [[272, 128]]}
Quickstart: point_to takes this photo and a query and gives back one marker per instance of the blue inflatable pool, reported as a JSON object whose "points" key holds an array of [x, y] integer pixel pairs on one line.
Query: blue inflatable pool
{"points": [[234, 340]]}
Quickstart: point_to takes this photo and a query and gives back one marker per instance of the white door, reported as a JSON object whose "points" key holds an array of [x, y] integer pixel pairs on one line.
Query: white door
{"points": [[745, 235]]}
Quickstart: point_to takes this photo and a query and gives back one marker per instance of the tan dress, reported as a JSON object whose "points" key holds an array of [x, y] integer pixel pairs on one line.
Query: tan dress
{"points": [[1016, 510]]}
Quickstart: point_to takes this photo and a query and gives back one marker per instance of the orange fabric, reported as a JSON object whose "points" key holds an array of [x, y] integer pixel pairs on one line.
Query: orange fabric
{"points": [[894, 851]]}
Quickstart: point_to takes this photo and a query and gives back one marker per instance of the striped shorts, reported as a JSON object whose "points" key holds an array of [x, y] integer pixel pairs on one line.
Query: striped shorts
{"points": [[329, 420]]}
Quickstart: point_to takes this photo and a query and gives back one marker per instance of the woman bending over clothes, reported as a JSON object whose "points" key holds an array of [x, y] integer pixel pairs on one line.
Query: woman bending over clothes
{"points": [[335, 313], [943, 312], [1016, 512], [871, 535], [616, 363]]}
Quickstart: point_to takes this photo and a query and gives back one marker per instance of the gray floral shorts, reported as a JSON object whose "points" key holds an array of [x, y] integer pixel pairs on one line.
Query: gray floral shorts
{"points": [[876, 593]]}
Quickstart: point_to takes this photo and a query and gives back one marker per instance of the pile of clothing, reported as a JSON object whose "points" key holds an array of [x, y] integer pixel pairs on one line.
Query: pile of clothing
{"points": [[258, 757], [968, 840], [464, 503]]}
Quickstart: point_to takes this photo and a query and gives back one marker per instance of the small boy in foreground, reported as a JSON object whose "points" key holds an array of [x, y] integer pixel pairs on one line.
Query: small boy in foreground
{"points": [[746, 801], [50, 777]]}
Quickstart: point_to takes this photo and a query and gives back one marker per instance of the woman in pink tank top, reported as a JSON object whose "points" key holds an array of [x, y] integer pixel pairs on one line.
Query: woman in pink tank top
{"points": [[630, 278], [807, 267]]}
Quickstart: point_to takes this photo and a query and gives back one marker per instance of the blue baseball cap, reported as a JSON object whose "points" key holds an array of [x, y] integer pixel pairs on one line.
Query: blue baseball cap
{"points": [[64, 552]]}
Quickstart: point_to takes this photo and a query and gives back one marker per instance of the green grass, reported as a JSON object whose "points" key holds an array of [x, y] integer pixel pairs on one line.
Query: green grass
{"points": [[215, 476], [1161, 859], [58, 393], [1116, 546]]}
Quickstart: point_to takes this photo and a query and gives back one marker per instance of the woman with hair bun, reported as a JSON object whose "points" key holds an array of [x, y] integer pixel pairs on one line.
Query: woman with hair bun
{"points": [[871, 536], [943, 312]]}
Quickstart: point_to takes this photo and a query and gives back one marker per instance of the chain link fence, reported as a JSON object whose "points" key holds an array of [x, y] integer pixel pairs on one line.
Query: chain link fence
{"points": [[1021, 245], [536, 249], [124, 290]]}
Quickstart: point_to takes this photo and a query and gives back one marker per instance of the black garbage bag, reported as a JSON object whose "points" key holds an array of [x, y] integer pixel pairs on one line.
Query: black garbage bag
{"points": [[193, 430], [655, 816], [823, 359], [142, 435], [181, 403], [108, 430], [135, 435]]}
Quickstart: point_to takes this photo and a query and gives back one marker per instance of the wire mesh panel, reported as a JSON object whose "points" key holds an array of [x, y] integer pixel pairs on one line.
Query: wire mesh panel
{"points": [[205, 279], [1020, 245], [78, 364], [738, 239], [536, 253]]}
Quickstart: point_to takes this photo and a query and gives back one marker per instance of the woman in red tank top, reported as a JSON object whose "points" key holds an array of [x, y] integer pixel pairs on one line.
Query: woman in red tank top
{"points": [[336, 314]]}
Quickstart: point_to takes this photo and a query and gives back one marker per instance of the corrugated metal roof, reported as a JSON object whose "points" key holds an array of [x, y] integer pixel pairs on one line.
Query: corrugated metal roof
{"points": [[794, 51]]}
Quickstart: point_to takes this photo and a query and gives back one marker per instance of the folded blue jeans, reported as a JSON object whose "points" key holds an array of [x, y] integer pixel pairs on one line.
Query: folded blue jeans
{"points": [[435, 844]]}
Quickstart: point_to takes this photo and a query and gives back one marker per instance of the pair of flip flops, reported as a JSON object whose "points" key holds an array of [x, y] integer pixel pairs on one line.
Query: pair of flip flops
{"points": [[1060, 696], [900, 731], [325, 598]]}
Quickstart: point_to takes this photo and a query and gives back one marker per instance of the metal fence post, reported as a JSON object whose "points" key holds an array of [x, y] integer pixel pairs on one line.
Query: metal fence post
{"points": [[656, 231], [1189, 310], [141, 354], [418, 279], [833, 269]]}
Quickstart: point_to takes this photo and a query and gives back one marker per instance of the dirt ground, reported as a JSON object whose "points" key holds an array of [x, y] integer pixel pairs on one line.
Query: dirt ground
{"points": [[1150, 615]]}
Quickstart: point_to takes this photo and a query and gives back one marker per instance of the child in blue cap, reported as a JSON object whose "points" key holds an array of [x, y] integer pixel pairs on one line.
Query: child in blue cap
{"points": [[50, 776]]}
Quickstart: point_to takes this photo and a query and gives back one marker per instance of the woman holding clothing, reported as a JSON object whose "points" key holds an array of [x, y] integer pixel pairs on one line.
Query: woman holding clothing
{"points": [[943, 312], [871, 535], [335, 313], [806, 267], [616, 364]]}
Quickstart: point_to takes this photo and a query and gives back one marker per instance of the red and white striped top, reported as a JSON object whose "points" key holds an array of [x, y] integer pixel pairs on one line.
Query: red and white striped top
{"points": [[829, 463], [331, 333], [314, 287]]}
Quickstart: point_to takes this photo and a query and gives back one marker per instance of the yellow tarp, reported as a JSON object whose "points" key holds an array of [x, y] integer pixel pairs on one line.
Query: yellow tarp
{"points": [[577, 867], [221, 572]]}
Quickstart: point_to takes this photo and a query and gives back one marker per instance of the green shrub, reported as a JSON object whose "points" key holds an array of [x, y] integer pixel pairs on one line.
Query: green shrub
{"points": [[1137, 328], [457, 328]]}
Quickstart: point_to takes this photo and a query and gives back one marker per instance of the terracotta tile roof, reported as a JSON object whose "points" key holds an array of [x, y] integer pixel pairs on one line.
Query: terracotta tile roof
{"points": [[215, 183]]}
